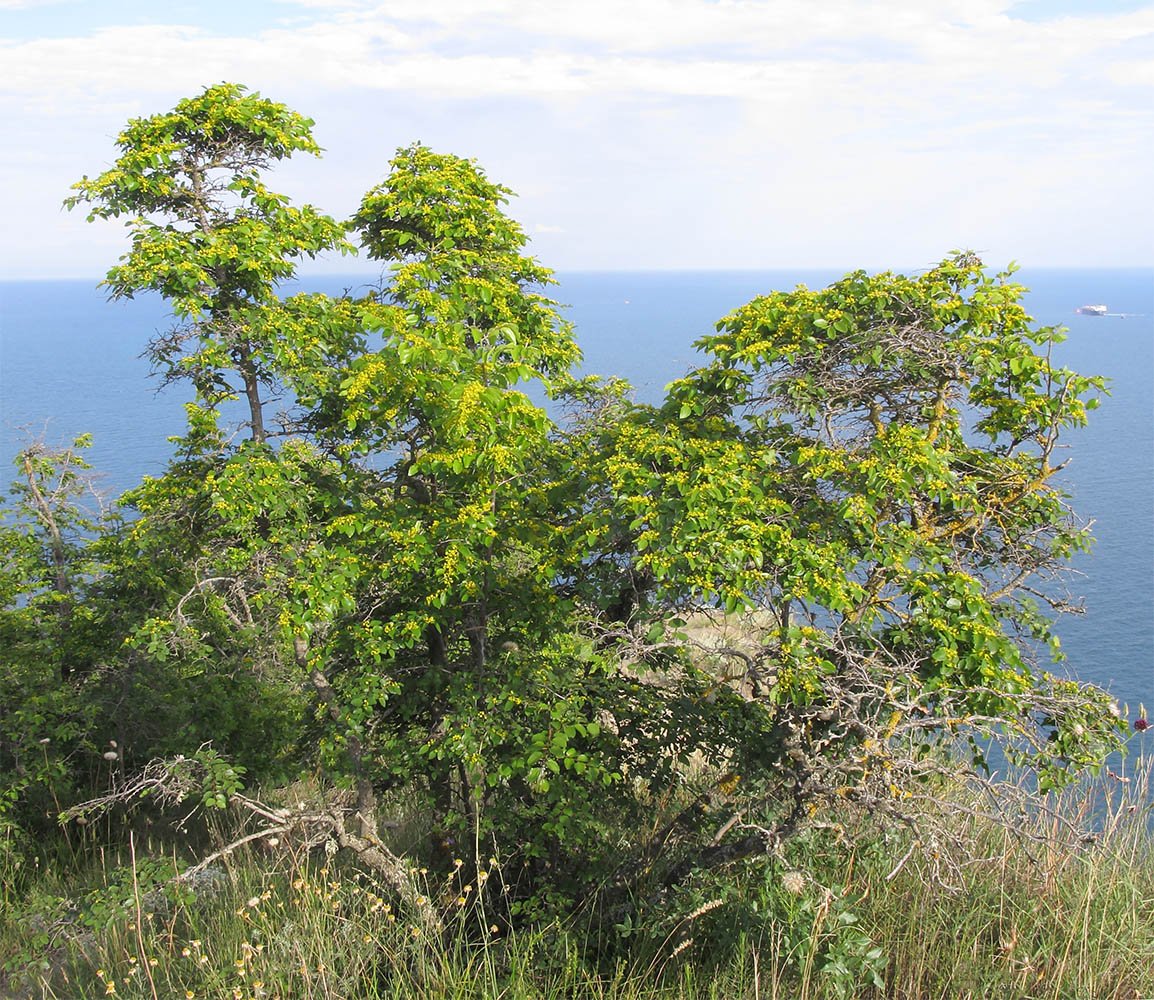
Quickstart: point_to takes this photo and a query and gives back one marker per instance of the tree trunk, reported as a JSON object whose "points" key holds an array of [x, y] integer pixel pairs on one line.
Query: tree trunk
{"points": [[252, 394]]}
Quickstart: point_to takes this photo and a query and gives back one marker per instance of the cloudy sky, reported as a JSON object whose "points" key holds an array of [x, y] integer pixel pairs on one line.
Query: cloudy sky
{"points": [[637, 133]]}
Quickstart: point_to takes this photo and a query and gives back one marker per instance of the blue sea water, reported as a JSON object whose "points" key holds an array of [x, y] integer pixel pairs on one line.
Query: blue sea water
{"points": [[70, 363]]}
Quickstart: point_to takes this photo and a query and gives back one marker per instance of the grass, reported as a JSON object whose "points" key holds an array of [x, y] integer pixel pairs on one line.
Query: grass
{"points": [[1026, 919], [1030, 919]]}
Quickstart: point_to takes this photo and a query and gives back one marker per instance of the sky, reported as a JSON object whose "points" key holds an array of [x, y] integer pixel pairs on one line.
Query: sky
{"points": [[638, 134]]}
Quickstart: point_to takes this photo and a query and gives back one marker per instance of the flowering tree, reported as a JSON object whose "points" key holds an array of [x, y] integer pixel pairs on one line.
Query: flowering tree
{"points": [[624, 647], [209, 235], [859, 490]]}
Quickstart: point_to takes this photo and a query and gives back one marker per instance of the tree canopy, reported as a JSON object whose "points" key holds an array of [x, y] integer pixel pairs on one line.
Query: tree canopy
{"points": [[815, 580]]}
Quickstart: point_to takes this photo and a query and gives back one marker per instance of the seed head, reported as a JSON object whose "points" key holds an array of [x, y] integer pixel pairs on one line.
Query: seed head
{"points": [[793, 882]]}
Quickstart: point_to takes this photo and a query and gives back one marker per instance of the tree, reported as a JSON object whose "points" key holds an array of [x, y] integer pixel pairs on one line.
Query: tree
{"points": [[865, 476], [397, 556], [444, 638], [46, 631], [218, 244], [209, 236], [787, 594]]}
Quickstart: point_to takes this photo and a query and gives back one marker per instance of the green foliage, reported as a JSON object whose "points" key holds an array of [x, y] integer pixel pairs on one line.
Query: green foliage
{"points": [[46, 626], [458, 267], [628, 650], [228, 239], [819, 932], [209, 236], [116, 901], [872, 468], [448, 559]]}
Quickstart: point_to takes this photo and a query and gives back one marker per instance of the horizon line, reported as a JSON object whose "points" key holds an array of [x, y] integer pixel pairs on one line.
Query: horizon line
{"points": [[687, 269]]}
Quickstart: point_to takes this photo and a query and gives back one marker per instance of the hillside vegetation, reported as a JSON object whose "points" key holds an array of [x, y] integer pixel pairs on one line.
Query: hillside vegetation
{"points": [[413, 686]]}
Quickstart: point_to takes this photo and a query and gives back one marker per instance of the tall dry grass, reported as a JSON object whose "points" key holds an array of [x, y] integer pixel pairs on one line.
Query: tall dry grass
{"points": [[1039, 916]]}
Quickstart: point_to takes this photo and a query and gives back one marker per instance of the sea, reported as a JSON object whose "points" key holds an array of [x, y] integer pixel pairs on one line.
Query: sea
{"points": [[71, 363]]}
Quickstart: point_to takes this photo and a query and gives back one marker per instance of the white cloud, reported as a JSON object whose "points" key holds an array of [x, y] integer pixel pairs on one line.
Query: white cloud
{"points": [[1132, 72], [738, 49], [928, 117], [327, 4]]}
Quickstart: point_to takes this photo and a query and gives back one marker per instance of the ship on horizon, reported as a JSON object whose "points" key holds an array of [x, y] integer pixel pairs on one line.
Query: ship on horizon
{"points": [[1094, 310]]}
